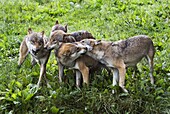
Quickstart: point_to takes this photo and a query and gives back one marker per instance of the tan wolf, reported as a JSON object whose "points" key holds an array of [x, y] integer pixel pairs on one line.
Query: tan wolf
{"points": [[121, 54], [70, 55]]}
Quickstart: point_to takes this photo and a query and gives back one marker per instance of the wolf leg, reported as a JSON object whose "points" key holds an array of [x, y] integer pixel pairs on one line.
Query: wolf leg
{"points": [[150, 57], [122, 73], [61, 72], [42, 70], [78, 78], [115, 78]]}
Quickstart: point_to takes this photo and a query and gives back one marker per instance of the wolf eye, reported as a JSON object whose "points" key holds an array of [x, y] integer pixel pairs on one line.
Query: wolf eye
{"points": [[78, 49], [82, 41], [54, 41]]}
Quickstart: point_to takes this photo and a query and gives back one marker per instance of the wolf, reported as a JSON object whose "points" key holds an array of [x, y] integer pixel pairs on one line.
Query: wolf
{"points": [[59, 31], [58, 26], [71, 55], [62, 36], [121, 54], [33, 43], [57, 38]]}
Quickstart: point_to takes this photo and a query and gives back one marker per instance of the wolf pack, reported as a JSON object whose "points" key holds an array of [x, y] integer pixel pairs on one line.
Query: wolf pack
{"points": [[81, 51]]}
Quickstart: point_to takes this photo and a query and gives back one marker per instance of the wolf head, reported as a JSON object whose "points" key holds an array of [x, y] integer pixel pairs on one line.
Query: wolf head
{"points": [[72, 50], [58, 26], [90, 43], [35, 41], [57, 37]]}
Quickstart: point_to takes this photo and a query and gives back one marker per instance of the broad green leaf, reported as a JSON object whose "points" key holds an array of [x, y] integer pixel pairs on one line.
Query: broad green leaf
{"points": [[14, 95], [54, 109], [18, 84], [29, 96]]}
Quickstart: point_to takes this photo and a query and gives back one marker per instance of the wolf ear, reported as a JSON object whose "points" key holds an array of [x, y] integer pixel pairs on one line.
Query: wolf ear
{"points": [[30, 31], [66, 27], [42, 33], [65, 39], [97, 42], [56, 22]]}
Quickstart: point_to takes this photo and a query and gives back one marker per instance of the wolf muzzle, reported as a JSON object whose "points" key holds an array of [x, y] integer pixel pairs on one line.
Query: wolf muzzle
{"points": [[35, 51]]}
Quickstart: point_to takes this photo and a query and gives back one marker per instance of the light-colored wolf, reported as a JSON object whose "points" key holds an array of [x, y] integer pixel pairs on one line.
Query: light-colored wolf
{"points": [[121, 54]]}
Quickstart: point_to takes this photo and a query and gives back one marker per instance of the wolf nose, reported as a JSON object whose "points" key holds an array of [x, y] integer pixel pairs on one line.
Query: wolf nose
{"points": [[35, 51]]}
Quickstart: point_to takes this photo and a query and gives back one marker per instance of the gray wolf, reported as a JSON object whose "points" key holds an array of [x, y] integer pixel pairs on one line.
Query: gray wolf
{"points": [[121, 54], [33, 43], [56, 39]]}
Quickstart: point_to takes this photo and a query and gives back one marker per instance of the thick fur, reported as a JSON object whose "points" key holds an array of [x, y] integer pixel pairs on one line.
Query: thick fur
{"points": [[33, 43], [86, 62], [62, 36], [82, 34], [70, 55], [121, 54]]}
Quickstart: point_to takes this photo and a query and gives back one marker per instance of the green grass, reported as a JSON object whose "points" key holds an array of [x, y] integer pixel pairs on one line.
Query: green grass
{"points": [[105, 19]]}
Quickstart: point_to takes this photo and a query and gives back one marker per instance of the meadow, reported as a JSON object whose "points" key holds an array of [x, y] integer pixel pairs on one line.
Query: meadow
{"points": [[110, 20]]}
